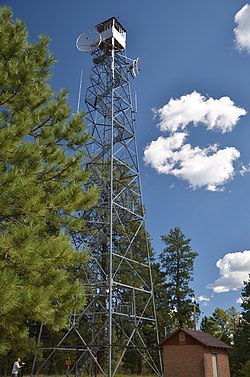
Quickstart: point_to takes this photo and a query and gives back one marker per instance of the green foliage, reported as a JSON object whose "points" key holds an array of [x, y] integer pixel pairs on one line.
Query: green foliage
{"points": [[221, 324], [246, 300], [41, 185], [246, 369], [166, 322], [239, 357], [177, 261]]}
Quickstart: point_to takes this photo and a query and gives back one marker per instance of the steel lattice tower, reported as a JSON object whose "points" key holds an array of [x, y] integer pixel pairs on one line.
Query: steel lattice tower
{"points": [[119, 318]]}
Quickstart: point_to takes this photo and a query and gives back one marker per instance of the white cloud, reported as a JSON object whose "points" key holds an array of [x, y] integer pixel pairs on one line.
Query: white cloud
{"points": [[234, 269], [160, 153], [244, 169], [242, 31], [203, 298], [216, 114], [239, 300], [201, 167], [209, 167]]}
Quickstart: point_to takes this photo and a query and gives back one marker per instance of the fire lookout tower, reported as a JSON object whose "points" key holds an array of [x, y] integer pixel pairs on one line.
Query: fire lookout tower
{"points": [[118, 322]]}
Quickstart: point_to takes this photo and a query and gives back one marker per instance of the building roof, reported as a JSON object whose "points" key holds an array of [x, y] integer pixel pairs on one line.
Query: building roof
{"points": [[109, 19], [202, 337]]}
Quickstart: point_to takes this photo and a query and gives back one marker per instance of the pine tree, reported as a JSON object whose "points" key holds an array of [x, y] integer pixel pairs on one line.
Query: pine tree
{"points": [[177, 261], [166, 323], [221, 324], [240, 358], [41, 188]]}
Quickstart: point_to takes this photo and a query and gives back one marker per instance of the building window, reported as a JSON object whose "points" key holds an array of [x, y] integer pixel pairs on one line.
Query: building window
{"points": [[215, 365]]}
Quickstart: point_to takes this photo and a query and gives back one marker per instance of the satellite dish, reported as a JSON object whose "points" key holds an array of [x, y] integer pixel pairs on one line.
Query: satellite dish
{"points": [[88, 41], [134, 68]]}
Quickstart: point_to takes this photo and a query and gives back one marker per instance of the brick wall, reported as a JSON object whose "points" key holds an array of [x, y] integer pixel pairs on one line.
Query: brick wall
{"points": [[223, 364], [208, 364], [183, 361], [222, 361], [193, 361]]}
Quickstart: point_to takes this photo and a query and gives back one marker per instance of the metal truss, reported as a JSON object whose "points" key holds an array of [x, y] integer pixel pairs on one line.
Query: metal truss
{"points": [[119, 321]]}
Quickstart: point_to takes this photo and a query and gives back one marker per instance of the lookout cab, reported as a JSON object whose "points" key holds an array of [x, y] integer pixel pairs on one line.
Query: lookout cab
{"points": [[113, 34]]}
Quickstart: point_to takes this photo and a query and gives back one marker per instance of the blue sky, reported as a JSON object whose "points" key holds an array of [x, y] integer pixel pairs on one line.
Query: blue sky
{"points": [[193, 119]]}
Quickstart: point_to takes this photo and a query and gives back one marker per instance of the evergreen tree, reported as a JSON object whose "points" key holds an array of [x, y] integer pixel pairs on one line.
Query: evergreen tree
{"points": [[41, 189], [240, 355], [177, 261], [221, 324], [208, 325], [166, 322], [246, 301], [246, 369]]}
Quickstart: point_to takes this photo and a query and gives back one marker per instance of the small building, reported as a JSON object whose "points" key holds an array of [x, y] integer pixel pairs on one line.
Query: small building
{"points": [[191, 353]]}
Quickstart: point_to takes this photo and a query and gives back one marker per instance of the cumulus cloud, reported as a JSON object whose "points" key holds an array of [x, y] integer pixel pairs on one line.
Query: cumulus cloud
{"points": [[208, 167], [160, 153], [203, 298], [216, 114], [234, 270], [242, 30], [202, 167]]}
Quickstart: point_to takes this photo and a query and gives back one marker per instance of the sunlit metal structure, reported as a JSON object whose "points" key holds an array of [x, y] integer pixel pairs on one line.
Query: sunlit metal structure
{"points": [[119, 320]]}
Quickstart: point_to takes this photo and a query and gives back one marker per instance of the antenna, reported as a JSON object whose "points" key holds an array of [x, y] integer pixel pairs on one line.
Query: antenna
{"points": [[136, 103], [88, 41], [79, 94], [134, 68]]}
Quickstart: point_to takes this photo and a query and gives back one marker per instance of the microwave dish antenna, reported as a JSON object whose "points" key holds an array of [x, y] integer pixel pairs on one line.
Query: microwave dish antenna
{"points": [[135, 67], [88, 41]]}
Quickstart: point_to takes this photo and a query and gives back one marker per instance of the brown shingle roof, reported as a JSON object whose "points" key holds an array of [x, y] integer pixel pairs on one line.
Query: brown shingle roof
{"points": [[202, 337], [207, 339]]}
